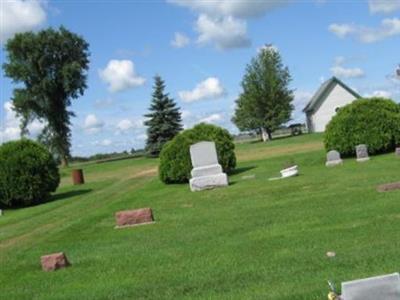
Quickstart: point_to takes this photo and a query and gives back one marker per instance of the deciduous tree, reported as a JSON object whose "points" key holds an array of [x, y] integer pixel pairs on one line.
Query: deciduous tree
{"points": [[49, 68]]}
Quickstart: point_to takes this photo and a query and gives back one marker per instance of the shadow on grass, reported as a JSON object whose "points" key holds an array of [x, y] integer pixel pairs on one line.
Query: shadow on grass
{"points": [[242, 170], [70, 194], [60, 196]]}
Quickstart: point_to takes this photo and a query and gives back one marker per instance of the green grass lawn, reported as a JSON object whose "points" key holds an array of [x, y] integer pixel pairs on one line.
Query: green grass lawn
{"points": [[256, 239]]}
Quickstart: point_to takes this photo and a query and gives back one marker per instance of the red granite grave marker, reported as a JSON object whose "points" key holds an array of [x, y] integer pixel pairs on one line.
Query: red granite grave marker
{"points": [[54, 261], [134, 217]]}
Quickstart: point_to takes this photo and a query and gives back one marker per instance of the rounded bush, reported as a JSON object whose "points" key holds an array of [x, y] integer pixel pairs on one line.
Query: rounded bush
{"points": [[374, 122], [175, 163], [29, 173]]}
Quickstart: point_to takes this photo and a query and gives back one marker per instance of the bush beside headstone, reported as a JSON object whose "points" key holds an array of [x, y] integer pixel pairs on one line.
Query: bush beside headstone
{"points": [[175, 164], [374, 122]]}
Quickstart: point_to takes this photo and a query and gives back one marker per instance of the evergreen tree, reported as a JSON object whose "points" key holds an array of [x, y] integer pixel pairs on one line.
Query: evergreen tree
{"points": [[266, 100], [163, 121]]}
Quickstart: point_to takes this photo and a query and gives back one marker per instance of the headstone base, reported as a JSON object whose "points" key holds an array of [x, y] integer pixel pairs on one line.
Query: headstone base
{"points": [[334, 163], [364, 159], [208, 182]]}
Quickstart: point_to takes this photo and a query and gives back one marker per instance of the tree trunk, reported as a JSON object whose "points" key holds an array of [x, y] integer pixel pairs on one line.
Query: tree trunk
{"points": [[64, 162], [269, 135], [264, 134]]}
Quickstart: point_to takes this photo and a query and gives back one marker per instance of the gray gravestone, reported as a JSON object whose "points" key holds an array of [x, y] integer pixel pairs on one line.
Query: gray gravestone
{"points": [[207, 172], [362, 153], [333, 158], [398, 151], [386, 287]]}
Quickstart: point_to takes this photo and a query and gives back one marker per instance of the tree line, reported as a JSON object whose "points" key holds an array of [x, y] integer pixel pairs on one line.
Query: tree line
{"points": [[50, 70]]}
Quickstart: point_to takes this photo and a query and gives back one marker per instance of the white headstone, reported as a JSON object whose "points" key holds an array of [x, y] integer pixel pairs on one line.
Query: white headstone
{"points": [[333, 158], [362, 153], [397, 151], [207, 172], [203, 154], [386, 287]]}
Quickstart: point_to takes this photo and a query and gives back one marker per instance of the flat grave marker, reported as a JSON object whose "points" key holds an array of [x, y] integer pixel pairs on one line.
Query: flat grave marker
{"points": [[54, 261], [129, 218]]}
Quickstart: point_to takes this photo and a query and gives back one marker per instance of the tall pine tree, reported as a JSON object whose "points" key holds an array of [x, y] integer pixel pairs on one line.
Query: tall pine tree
{"points": [[163, 121]]}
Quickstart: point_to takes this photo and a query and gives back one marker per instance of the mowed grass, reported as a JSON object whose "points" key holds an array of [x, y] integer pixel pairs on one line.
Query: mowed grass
{"points": [[256, 239]]}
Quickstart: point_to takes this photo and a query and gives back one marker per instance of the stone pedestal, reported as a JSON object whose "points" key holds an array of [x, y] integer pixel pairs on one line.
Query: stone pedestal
{"points": [[54, 261], [208, 182], [207, 173]]}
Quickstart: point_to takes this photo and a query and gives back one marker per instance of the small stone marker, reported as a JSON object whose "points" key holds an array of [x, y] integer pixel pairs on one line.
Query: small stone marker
{"points": [[331, 254], [207, 172], [388, 187], [252, 176], [362, 153], [54, 261], [397, 151], [1, 212], [135, 217], [77, 177], [386, 287], [333, 158]]}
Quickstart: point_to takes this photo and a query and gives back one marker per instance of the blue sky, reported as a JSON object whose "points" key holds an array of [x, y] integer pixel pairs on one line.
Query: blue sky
{"points": [[201, 49]]}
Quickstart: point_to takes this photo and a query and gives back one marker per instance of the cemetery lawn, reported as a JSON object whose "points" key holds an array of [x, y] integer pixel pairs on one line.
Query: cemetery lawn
{"points": [[256, 239]]}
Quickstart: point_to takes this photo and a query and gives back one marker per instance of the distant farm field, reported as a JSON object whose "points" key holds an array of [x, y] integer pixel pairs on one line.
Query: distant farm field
{"points": [[256, 239]]}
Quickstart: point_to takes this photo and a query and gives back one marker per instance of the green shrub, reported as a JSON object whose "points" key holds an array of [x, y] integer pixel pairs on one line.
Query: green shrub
{"points": [[175, 163], [374, 122], [28, 173]]}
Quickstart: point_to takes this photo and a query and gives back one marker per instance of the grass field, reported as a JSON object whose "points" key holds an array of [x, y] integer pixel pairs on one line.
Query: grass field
{"points": [[256, 239]]}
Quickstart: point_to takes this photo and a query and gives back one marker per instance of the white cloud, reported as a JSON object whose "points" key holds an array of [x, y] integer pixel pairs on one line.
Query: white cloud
{"points": [[224, 32], [210, 88], [237, 8], [383, 6], [223, 23], [104, 143], [388, 28], [126, 124], [213, 118], [301, 98], [141, 137], [180, 40], [20, 16], [10, 126], [185, 114], [120, 75], [341, 30], [339, 70], [379, 93], [92, 124]]}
